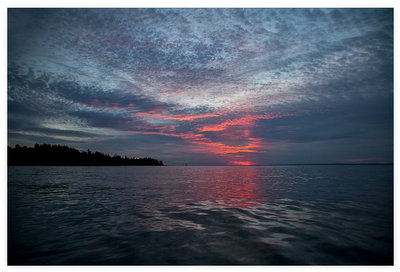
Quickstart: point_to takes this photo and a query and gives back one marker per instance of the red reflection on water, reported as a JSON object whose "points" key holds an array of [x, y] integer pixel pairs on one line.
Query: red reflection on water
{"points": [[229, 186]]}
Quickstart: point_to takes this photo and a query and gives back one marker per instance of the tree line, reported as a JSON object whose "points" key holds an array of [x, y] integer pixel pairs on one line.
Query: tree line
{"points": [[46, 154]]}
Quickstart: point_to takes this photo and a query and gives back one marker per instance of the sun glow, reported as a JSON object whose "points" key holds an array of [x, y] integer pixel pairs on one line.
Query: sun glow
{"points": [[242, 163]]}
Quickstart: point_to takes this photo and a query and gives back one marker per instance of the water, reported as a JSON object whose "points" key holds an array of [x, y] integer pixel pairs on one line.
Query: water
{"points": [[200, 215]]}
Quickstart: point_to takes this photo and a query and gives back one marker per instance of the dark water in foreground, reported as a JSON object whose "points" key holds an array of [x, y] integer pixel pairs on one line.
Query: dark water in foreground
{"points": [[200, 215]]}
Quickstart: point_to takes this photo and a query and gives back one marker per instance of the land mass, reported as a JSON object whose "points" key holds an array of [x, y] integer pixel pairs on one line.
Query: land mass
{"points": [[53, 155]]}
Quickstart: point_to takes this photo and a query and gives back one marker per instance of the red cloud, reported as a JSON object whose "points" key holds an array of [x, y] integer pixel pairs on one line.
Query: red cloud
{"points": [[245, 120], [232, 152], [178, 117]]}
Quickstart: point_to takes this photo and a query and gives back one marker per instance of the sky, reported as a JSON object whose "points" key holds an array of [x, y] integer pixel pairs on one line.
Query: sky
{"points": [[204, 86]]}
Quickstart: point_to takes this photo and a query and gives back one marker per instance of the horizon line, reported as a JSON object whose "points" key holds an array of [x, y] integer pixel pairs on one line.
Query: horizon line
{"points": [[299, 164]]}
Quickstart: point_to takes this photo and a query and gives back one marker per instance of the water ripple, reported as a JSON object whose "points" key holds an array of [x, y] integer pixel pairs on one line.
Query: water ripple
{"points": [[204, 216]]}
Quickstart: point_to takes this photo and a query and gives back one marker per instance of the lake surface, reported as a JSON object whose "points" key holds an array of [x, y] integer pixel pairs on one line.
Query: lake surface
{"points": [[270, 215]]}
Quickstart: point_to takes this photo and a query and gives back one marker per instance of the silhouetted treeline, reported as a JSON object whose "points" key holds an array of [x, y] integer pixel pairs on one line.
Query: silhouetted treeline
{"points": [[46, 154]]}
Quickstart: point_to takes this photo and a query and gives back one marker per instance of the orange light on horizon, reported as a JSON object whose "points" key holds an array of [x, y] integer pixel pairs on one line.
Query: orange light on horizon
{"points": [[242, 163], [234, 154]]}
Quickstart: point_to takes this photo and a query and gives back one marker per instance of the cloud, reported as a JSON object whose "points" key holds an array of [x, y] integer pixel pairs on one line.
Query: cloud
{"points": [[237, 84]]}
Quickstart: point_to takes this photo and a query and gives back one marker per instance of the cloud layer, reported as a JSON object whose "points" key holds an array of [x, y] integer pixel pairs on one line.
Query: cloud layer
{"points": [[205, 86]]}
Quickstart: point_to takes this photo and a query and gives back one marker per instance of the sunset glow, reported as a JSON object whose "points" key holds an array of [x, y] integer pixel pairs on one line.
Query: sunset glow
{"points": [[200, 136], [242, 163], [204, 86]]}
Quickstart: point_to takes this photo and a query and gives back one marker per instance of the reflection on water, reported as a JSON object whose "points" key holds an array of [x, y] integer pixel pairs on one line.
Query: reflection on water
{"points": [[200, 215], [235, 187]]}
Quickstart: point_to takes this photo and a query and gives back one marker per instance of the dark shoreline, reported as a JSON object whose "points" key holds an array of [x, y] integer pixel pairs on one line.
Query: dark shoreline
{"points": [[56, 155]]}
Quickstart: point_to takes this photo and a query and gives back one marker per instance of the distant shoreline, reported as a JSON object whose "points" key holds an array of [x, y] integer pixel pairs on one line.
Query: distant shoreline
{"points": [[56, 155]]}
